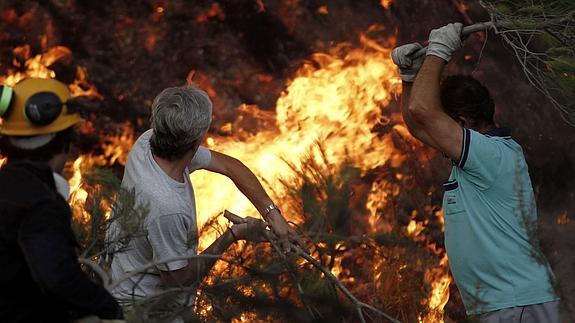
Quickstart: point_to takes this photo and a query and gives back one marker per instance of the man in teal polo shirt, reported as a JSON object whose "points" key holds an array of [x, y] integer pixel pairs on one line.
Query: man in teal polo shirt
{"points": [[488, 206]]}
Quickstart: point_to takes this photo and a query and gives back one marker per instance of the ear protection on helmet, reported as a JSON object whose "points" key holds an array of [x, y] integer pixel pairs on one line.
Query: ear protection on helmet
{"points": [[40, 109], [36, 106]]}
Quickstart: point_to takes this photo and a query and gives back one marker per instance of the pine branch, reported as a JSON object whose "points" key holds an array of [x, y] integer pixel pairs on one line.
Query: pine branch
{"points": [[360, 306]]}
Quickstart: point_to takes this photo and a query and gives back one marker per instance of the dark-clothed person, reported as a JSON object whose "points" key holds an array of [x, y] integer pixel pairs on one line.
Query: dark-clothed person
{"points": [[40, 277]]}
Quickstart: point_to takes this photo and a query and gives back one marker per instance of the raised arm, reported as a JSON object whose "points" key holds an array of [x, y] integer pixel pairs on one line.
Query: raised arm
{"points": [[421, 104], [443, 133], [403, 57]]}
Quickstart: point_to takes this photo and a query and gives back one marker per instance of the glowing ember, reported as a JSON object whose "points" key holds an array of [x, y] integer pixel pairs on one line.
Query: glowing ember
{"points": [[323, 10], [386, 3], [215, 11], [563, 218]]}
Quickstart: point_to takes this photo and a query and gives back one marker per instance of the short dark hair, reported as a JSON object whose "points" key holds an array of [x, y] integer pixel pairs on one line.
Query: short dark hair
{"points": [[464, 96], [59, 144]]}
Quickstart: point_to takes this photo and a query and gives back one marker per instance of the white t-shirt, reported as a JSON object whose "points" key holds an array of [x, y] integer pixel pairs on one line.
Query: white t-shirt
{"points": [[170, 226]]}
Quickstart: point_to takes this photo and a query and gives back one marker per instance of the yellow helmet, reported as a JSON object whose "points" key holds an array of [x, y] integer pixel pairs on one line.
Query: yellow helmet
{"points": [[35, 107]]}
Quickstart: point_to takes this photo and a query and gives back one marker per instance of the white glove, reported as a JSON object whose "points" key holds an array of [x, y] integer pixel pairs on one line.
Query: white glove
{"points": [[444, 41], [408, 65]]}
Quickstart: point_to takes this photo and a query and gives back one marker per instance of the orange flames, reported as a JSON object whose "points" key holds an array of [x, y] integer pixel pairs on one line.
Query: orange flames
{"points": [[438, 278], [336, 105], [37, 66], [115, 149]]}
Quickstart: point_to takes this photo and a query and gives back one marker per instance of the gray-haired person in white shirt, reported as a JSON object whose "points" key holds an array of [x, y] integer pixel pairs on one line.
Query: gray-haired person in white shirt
{"points": [[158, 169]]}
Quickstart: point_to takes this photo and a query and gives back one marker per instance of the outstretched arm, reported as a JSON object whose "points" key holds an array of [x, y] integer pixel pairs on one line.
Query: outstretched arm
{"points": [[251, 187]]}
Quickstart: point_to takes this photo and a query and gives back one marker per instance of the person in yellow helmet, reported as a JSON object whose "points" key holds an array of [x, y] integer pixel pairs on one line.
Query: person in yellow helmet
{"points": [[40, 278]]}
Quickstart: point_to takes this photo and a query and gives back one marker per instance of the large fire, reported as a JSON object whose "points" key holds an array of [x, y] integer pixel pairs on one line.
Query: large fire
{"points": [[337, 105], [334, 103]]}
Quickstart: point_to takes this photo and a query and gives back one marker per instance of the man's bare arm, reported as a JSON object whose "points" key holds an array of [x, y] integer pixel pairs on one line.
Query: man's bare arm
{"points": [[427, 114], [197, 268], [242, 177], [251, 187], [417, 130]]}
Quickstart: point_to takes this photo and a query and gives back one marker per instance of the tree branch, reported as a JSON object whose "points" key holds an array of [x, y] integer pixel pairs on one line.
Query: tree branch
{"points": [[360, 306]]}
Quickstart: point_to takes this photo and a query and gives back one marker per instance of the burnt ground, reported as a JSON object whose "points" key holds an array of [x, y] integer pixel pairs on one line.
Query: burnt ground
{"points": [[245, 51]]}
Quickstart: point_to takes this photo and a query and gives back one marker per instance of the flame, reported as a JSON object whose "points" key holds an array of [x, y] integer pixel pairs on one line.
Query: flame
{"points": [[78, 194], [336, 105], [81, 86], [439, 280], [39, 67], [378, 194], [115, 149]]}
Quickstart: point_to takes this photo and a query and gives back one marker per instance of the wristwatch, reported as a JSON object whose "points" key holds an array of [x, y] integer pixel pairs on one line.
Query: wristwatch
{"points": [[269, 208]]}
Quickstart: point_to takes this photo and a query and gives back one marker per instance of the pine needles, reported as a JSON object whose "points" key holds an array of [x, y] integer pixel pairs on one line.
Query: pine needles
{"points": [[541, 35]]}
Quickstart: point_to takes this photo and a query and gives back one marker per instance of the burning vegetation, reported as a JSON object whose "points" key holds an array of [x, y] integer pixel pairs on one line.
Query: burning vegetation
{"points": [[313, 110]]}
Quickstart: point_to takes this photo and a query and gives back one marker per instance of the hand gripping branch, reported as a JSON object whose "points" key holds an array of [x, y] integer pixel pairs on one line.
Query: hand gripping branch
{"points": [[297, 250], [466, 31]]}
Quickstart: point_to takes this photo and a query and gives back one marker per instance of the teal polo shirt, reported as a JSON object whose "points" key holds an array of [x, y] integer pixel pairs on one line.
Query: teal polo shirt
{"points": [[487, 205]]}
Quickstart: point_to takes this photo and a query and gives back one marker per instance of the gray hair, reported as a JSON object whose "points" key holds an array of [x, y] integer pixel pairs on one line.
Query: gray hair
{"points": [[180, 118]]}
